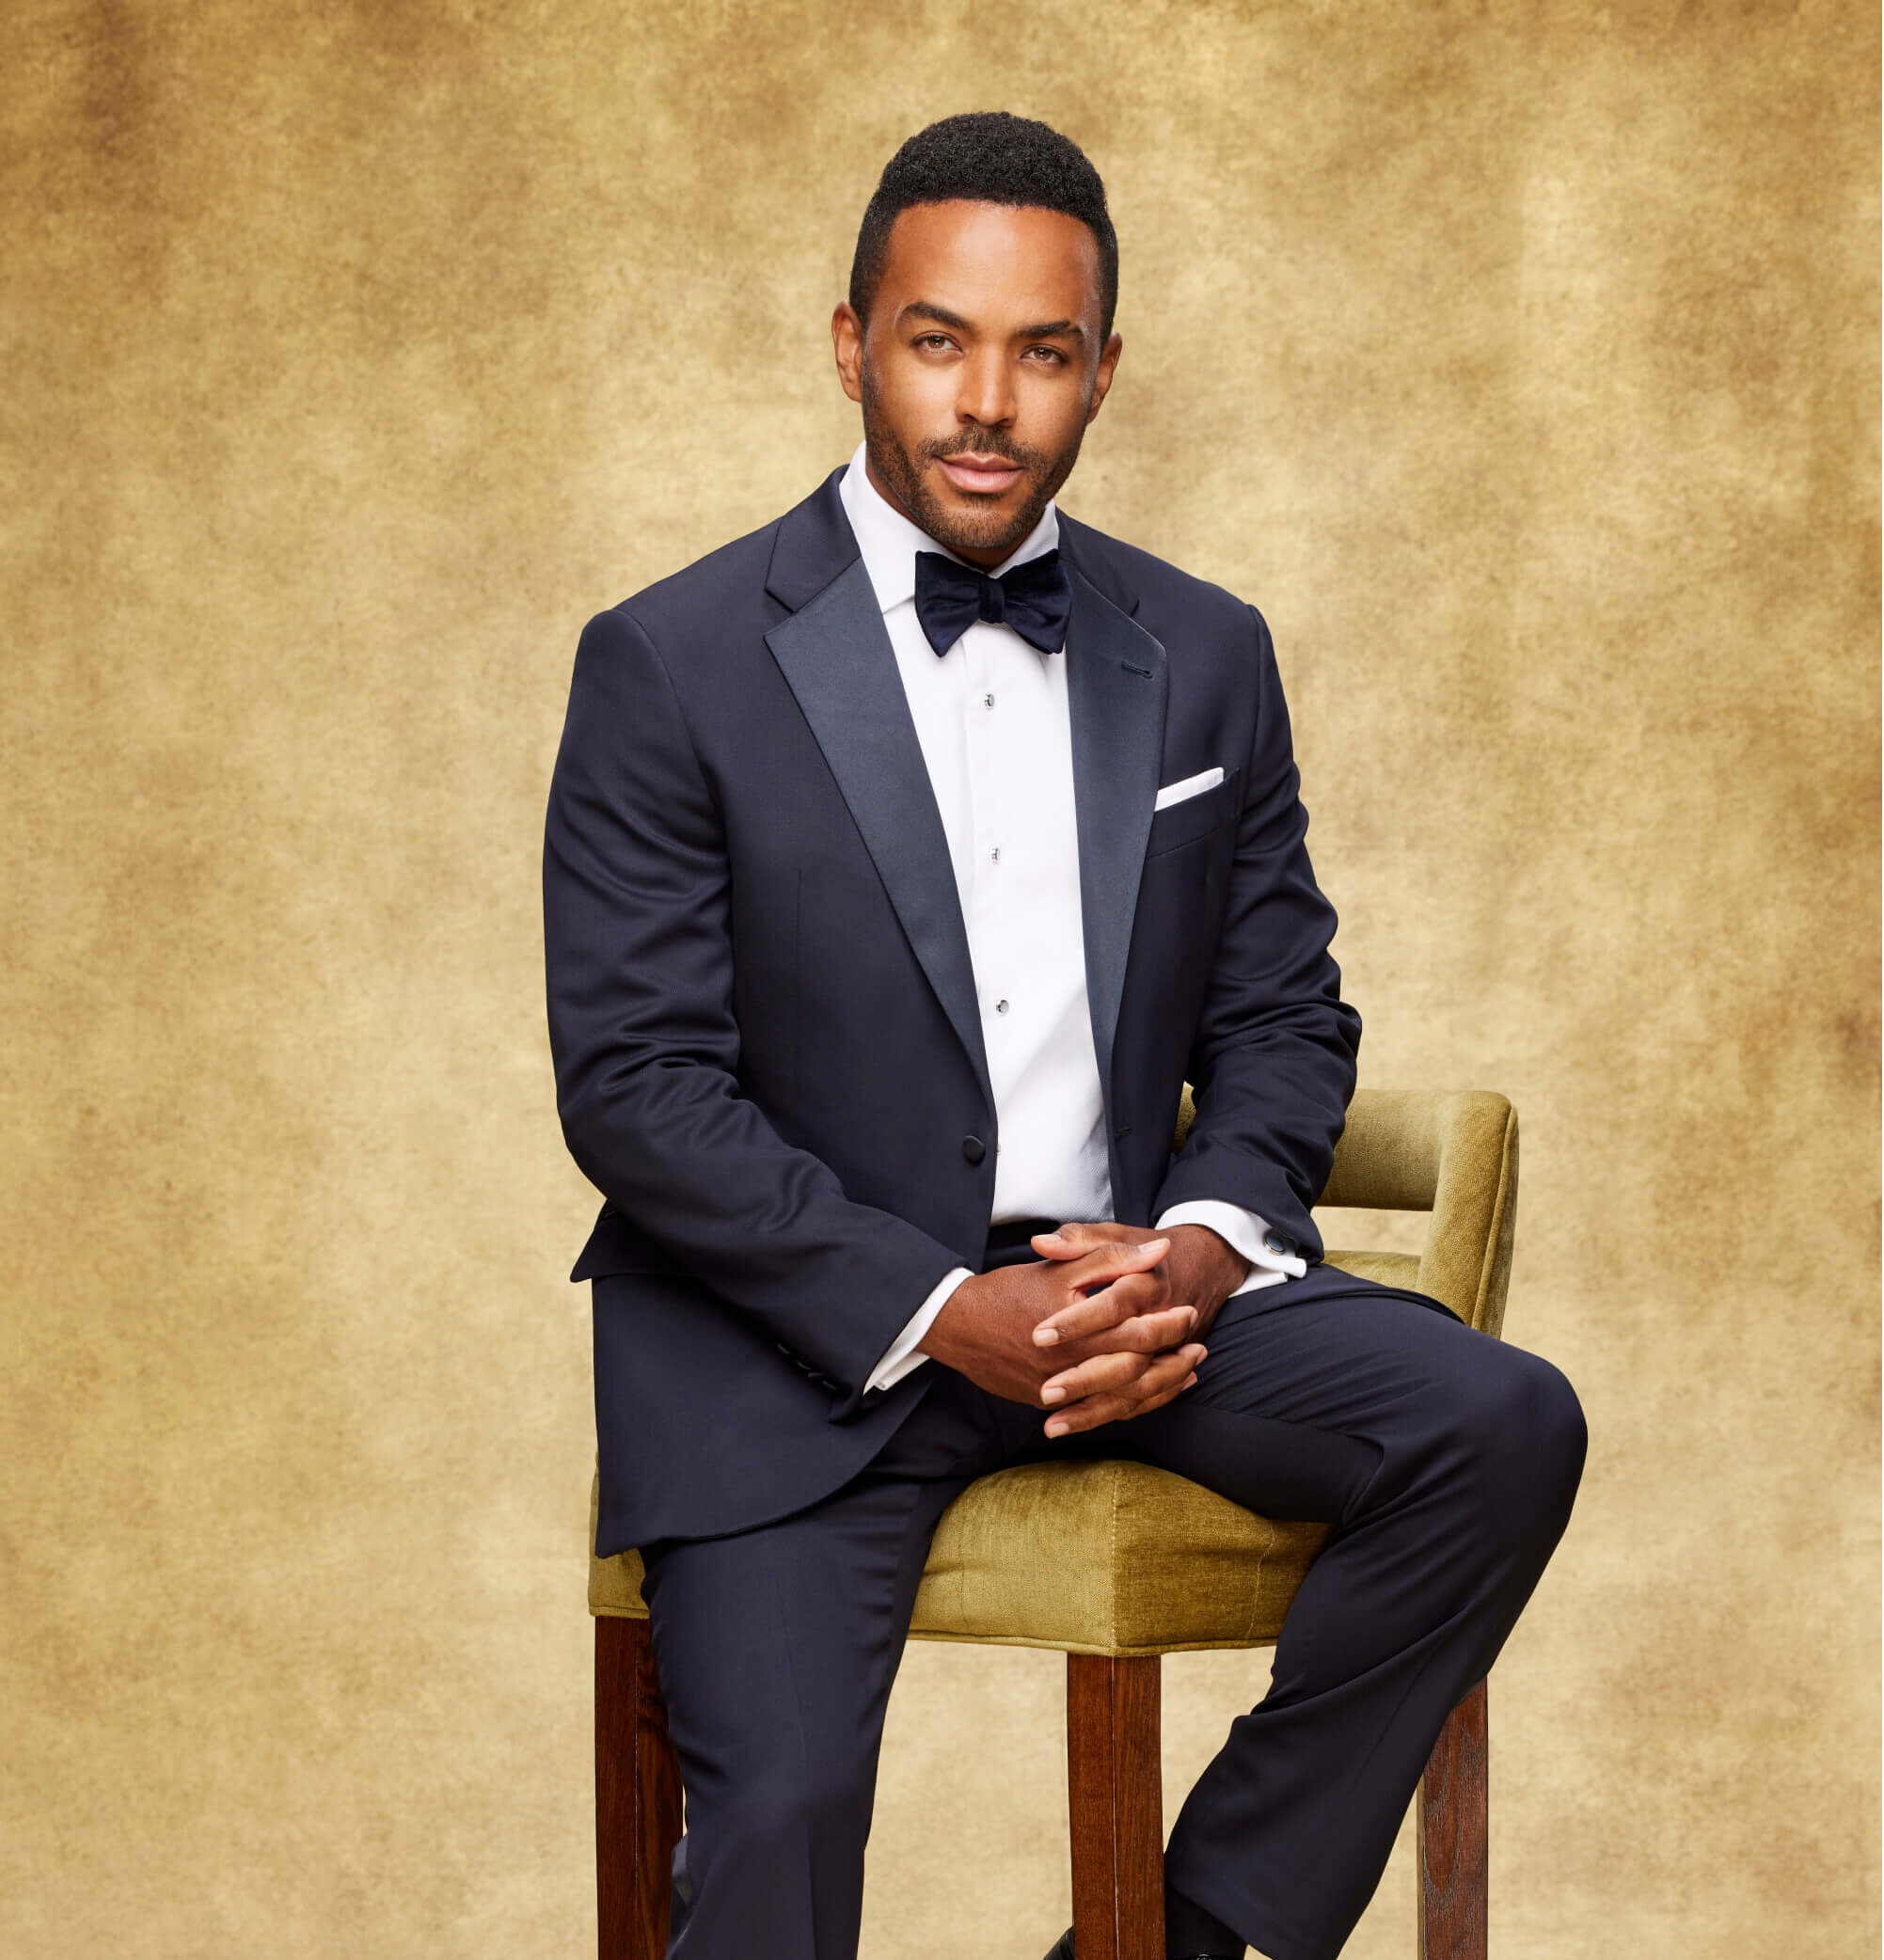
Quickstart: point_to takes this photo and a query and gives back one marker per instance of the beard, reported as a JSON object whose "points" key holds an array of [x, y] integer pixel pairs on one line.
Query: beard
{"points": [[964, 531]]}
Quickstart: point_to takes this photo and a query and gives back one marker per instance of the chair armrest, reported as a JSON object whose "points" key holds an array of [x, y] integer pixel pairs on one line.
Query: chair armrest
{"points": [[1453, 1154]]}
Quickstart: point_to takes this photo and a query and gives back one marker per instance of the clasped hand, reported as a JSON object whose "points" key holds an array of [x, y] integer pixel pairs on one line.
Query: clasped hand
{"points": [[1100, 1331]]}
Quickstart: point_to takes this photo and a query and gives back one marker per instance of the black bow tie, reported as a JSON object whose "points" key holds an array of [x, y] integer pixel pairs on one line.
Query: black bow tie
{"points": [[1033, 598]]}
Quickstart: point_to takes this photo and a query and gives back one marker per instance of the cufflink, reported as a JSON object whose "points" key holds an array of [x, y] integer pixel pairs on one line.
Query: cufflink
{"points": [[1274, 1241]]}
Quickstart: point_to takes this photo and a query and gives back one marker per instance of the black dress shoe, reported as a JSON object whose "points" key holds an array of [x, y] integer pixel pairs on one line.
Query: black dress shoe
{"points": [[1063, 1949]]}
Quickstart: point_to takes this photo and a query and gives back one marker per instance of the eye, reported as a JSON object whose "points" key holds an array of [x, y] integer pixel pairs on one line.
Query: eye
{"points": [[1052, 354], [935, 341]]}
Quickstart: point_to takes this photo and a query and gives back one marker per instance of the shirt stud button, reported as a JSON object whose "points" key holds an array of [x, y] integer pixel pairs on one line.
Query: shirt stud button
{"points": [[994, 856], [1000, 1007], [987, 700]]}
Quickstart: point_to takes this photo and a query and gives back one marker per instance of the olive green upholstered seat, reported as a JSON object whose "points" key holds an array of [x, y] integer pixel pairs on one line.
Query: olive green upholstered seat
{"points": [[1118, 1558]]}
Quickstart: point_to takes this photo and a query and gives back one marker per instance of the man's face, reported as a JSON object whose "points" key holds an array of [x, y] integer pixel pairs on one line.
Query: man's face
{"points": [[980, 370]]}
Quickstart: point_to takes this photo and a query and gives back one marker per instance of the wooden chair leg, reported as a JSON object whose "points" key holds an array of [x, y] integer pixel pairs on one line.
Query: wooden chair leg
{"points": [[638, 1806], [1116, 1803], [1453, 1841]]}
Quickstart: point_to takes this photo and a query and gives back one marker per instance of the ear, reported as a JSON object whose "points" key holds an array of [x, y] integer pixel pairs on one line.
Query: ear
{"points": [[1108, 363], [846, 344]]}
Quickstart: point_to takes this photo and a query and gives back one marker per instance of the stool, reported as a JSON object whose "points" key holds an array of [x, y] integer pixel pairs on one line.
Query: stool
{"points": [[1113, 1563]]}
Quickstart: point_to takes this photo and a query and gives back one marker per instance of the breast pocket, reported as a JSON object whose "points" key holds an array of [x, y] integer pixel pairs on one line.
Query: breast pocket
{"points": [[1179, 824]]}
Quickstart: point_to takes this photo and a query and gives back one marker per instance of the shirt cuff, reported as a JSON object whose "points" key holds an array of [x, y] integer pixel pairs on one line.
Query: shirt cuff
{"points": [[1243, 1232], [902, 1356]]}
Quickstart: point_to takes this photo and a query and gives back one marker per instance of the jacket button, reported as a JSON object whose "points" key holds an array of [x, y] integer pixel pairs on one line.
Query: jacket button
{"points": [[1276, 1242], [973, 1148]]}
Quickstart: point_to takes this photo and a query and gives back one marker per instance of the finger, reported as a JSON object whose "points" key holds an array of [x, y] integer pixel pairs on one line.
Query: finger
{"points": [[1099, 1314], [1165, 1376], [1071, 1241], [1156, 1399], [1090, 1415], [1141, 1334], [1102, 1263], [1095, 1410], [1149, 1388], [1102, 1373], [1096, 1315], [1106, 1305], [1109, 1373]]}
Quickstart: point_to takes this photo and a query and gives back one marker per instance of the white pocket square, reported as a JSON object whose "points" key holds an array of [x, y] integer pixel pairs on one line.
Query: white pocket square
{"points": [[1191, 786]]}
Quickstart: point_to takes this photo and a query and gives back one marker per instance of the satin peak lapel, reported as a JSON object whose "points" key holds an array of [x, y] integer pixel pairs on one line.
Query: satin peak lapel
{"points": [[1115, 693], [836, 657]]}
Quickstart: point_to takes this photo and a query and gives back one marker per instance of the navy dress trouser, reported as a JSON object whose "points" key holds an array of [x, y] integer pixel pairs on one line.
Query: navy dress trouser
{"points": [[1447, 1462]]}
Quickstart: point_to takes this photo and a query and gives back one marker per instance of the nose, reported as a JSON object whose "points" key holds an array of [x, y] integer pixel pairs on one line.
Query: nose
{"points": [[986, 389]]}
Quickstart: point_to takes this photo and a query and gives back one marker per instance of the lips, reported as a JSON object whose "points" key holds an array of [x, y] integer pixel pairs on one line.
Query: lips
{"points": [[980, 476]]}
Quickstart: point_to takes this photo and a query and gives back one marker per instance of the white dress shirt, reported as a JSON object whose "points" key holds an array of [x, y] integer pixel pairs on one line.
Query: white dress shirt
{"points": [[996, 735]]}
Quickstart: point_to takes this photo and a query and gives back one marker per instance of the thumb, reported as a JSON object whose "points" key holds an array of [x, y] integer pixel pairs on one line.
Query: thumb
{"points": [[1066, 1241]]}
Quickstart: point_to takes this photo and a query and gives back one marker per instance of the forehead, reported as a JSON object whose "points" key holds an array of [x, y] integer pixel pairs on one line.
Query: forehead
{"points": [[991, 262]]}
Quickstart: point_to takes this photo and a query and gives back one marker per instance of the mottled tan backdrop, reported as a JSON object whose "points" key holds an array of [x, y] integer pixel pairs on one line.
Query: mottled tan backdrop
{"points": [[1521, 364]]}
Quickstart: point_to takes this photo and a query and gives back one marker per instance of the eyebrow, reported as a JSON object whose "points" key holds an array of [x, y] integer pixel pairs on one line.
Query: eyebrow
{"points": [[1045, 330]]}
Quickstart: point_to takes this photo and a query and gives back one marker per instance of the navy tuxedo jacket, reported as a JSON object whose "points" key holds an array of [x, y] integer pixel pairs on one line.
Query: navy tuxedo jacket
{"points": [[763, 1017]]}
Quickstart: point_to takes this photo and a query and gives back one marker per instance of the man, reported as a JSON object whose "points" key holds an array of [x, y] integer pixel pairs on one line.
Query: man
{"points": [[904, 860]]}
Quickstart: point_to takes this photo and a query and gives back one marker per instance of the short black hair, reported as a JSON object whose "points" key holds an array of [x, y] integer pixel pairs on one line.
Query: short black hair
{"points": [[992, 158]]}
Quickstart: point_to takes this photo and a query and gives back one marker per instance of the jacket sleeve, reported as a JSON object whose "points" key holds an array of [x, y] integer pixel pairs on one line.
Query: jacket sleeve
{"points": [[1271, 1061], [638, 968]]}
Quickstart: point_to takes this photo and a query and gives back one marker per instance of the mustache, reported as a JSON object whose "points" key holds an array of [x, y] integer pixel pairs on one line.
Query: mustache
{"points": [[982, 442]]}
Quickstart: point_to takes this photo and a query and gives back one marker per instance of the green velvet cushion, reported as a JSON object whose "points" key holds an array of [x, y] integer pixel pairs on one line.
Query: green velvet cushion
{"points": [[1118, 1558]]}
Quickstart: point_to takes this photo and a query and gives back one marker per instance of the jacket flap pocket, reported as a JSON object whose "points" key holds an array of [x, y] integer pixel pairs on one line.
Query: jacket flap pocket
{"points": [[619, 1246]]}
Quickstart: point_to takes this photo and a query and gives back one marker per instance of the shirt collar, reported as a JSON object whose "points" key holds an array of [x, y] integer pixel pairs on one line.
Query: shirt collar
{"points": [[889, 541]]}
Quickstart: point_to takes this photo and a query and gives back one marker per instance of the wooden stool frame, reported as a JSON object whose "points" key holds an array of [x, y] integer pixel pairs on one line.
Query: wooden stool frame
{"points": [[1115, 1803]]}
